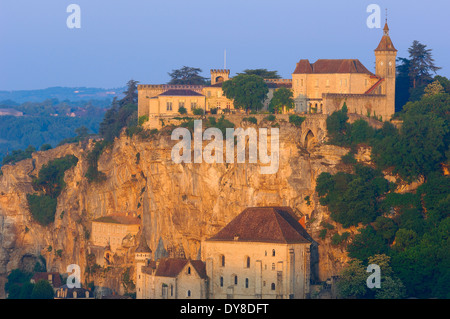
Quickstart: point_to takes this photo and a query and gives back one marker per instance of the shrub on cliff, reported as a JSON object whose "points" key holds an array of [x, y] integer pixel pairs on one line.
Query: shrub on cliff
{"points": [[42, 208], [93, 174], [18, 155], [352, 198], [50, 182], [51, 176], [296, 120]]}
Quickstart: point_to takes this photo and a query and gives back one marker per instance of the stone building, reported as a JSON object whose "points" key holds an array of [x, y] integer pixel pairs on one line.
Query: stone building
{"points": [[324, 86], [111, 231], [54, 278], [319, 87], [261, 253], [172, 278]]}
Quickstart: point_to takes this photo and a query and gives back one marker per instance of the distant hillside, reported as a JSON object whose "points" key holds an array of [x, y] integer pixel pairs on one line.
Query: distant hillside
{"points": [[61, 93]]}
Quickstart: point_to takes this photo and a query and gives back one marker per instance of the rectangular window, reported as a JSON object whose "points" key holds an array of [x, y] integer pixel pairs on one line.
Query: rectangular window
{"points": [[193, 105], [181, 104], [302, 82], [208, 93], [169, 106]]}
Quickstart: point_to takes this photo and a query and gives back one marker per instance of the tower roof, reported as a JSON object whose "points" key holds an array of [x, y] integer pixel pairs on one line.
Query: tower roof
{"points": [[264, 224], [143, 247], [386, 42]]}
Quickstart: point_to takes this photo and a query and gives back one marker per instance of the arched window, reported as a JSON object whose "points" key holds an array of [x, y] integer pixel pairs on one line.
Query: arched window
{"points": [[171, 290], [235, 279], [188, 293], [189, 270], [246, 282], [273, 266], [272, 286], [273, 252], [222, 260], [247, 262], [221, 281]]}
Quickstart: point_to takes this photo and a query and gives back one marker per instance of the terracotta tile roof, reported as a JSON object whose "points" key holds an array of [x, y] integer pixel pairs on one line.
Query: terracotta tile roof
{"points": [[200, 267], [56, 278], [171, 267], [264, 224], [143, 246], [386, 44], [373, 87], [180, 92], [126, 218], [329, 66]]}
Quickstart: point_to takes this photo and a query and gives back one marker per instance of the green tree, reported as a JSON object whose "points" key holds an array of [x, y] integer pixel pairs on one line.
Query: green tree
{"points": [[264, 73], [337, 126], [187, 76], [131, 95], [402, 83], [282, 100], [16, 280], [434, 88], [405, 238], [352, 198], [42, 290], [366, 244], [386, 227], [421, 64], [391, 287], [352, 280], [247, 91], [26, 290]]}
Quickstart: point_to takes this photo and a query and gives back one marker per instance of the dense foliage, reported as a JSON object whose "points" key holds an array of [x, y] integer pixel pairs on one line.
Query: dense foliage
{"points": [[187, 76], [247, 91], [411, 230], [49, 183], [282, 100], [264, 73]]}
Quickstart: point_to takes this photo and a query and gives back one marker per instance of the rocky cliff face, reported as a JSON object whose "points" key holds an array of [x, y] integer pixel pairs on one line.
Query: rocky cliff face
{"points": [[179, 204]]}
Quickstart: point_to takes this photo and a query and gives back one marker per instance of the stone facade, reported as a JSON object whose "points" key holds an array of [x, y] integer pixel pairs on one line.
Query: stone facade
{"points": [[320, 87], [112, 229], [325, 85], [263, 253]]}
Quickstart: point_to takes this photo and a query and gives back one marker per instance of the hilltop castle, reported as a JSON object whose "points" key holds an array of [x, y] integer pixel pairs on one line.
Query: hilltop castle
{"points": [[319, 87]]}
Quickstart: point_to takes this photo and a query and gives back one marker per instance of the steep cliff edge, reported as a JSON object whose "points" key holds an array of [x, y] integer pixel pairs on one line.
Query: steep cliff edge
{"points": [[179, 204]]}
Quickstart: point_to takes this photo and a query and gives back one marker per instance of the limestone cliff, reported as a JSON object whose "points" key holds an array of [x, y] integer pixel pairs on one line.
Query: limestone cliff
{"points": [[179, 204]]}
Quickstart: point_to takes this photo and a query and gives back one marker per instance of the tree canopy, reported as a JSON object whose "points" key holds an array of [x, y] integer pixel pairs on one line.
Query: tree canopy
{"points": [[421, 64], [411, 228], [282, 100], [187, 76], [247, 91], [264, 73]]}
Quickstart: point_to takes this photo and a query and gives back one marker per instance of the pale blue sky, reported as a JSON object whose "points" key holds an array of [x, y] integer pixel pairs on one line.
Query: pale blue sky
{"points": [[145, 39]]}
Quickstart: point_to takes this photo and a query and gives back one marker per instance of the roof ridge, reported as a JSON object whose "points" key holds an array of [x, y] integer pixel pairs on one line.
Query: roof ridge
{"points": [[277, 215]]}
